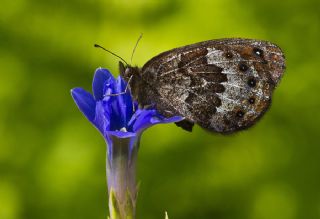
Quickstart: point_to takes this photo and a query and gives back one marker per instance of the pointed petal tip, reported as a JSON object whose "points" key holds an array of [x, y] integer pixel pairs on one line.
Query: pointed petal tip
{"points": [[76, 92], [104, 71]]}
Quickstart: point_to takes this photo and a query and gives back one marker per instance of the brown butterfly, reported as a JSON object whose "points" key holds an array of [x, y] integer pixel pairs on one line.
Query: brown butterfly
{"points": [[222, 85]]}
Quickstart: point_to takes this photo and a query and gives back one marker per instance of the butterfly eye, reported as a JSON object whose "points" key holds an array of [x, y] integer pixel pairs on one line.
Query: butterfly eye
{"points": [[251, 100], [252, 82], [243, 67], [229, 55], [258, 52], [240, 114]]}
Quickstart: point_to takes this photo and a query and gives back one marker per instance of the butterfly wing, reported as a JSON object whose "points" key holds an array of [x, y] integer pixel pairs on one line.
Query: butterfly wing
{"points": [[222, 85]]}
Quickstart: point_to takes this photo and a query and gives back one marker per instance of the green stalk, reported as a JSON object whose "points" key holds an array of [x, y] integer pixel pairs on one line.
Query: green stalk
{"points": [[121, 177]]}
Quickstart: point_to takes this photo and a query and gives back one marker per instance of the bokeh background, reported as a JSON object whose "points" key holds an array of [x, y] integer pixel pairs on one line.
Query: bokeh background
{"points": [[52, 161]]}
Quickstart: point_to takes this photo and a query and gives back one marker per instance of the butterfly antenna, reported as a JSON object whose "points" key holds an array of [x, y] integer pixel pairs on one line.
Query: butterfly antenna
{"points": [[98, 46], [134, 49]]}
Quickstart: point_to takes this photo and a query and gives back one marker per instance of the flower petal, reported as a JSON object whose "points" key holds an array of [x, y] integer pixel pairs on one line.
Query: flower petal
{"points": [[157, 120], [85, 102], [143, 119], [102, 118], [99, 80], [125, 106]]}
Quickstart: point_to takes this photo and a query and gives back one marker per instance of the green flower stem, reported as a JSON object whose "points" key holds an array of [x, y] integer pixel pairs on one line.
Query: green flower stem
{"points": [[121, 176]]}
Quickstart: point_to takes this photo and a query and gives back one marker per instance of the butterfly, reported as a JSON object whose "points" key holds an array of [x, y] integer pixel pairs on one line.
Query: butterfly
{"points": [[222, 85]]}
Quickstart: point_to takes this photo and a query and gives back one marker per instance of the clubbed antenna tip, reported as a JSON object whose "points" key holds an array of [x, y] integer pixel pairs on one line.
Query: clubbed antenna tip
{"points": [[112, 53]]}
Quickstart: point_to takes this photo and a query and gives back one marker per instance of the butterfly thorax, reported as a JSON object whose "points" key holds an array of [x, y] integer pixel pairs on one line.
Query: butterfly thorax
{"points": [[137, 85]]}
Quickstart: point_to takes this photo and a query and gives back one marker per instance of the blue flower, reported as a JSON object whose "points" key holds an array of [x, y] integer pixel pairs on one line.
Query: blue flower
{"points": [[115, 115], [121, 123]]}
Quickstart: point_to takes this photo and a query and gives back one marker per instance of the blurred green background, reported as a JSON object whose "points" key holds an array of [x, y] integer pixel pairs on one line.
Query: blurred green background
{"points": [[52, 161]]}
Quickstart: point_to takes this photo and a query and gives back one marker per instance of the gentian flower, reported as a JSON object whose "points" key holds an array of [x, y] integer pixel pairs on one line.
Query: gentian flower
{"points": [[121, 123]]}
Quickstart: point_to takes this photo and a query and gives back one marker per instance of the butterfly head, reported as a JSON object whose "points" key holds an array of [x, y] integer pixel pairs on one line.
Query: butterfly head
{"points": [[128, 72]]}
